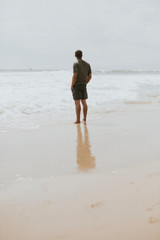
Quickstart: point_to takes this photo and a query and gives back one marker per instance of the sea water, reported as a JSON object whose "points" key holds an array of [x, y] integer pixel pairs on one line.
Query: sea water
{"points": [[31, 99]]}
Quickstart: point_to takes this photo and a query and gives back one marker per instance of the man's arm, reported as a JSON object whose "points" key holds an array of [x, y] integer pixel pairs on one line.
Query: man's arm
{"points": [[89, 77], [74, 79]]}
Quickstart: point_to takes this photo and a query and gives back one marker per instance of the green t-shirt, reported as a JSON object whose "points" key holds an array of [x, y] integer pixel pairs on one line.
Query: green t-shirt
{"points": [[82, 69]]}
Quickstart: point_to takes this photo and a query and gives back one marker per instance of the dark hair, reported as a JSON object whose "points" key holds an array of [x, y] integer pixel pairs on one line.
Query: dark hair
{"points": [[78, 54]]}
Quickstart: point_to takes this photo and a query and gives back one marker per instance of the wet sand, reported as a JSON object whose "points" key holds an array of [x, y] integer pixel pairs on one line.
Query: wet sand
{"points": [[99, 181]]}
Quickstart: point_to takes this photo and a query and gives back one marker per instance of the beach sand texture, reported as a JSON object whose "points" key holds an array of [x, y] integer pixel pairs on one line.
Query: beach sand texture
{"points": [[82, 182]]}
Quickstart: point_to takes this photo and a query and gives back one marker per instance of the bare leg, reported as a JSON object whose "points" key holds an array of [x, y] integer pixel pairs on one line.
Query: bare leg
{"points": [[85, 109], [78, 111]]}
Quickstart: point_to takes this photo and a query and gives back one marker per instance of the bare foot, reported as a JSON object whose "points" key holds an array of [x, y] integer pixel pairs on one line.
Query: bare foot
{"points": [[84, 121], [76, 122]]}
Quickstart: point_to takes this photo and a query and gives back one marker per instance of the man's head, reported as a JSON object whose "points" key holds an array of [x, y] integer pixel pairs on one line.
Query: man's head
{"points": [[78, 54]]}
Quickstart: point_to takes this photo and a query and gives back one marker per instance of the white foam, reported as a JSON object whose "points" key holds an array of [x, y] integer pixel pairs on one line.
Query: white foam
{"points": [[33, 99]]}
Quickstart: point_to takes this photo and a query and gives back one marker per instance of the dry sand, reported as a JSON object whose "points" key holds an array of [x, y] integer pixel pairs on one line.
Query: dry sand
{"points": [[77, 182]]}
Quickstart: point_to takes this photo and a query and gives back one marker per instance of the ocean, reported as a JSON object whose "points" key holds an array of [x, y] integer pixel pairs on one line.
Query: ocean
{"points": [[32, 99]]}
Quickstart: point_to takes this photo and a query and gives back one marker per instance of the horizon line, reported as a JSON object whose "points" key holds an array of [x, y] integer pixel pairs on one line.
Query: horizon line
{"points": [[94, 70]]}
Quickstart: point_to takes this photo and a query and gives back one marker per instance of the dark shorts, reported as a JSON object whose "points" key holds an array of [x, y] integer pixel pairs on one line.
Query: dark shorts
{"points": [[79, 91]]}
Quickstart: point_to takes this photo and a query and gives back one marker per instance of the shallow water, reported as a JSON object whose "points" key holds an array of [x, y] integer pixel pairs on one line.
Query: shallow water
{"points": [[30, 99]]}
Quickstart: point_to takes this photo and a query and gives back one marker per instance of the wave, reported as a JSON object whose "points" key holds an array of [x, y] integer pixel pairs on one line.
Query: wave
{"points": [[95, 71], [138, 102], [126, 72], [39, 97]]}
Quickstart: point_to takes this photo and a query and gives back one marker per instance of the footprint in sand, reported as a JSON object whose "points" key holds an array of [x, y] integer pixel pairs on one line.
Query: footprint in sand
{"points": [[154, 174], [95, 205], [158, 203], [154, 220], [46, 203], [132, 182], [149, 209]]}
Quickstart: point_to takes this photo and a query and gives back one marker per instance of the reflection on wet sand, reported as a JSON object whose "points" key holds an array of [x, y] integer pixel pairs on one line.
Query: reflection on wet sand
{"points": [[85, 160]]}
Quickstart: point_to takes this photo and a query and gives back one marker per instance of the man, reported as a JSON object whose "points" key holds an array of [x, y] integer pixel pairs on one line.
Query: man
{"points": [[81, 76]]}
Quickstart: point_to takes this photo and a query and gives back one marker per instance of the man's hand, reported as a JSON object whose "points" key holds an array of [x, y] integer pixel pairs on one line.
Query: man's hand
{"points": [[89, 78], [74, 79]]}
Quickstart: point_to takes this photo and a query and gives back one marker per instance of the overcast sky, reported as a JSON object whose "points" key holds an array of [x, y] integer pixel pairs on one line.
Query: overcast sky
{"points": [[113, 34]]}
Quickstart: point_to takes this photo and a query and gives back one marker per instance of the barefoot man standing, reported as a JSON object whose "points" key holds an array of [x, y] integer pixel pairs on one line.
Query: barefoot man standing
{"points": [[81, 76]]}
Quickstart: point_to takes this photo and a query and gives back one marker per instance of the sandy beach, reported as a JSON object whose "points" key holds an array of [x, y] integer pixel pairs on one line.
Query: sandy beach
{"points": [[66, 181], [83, 182]]}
